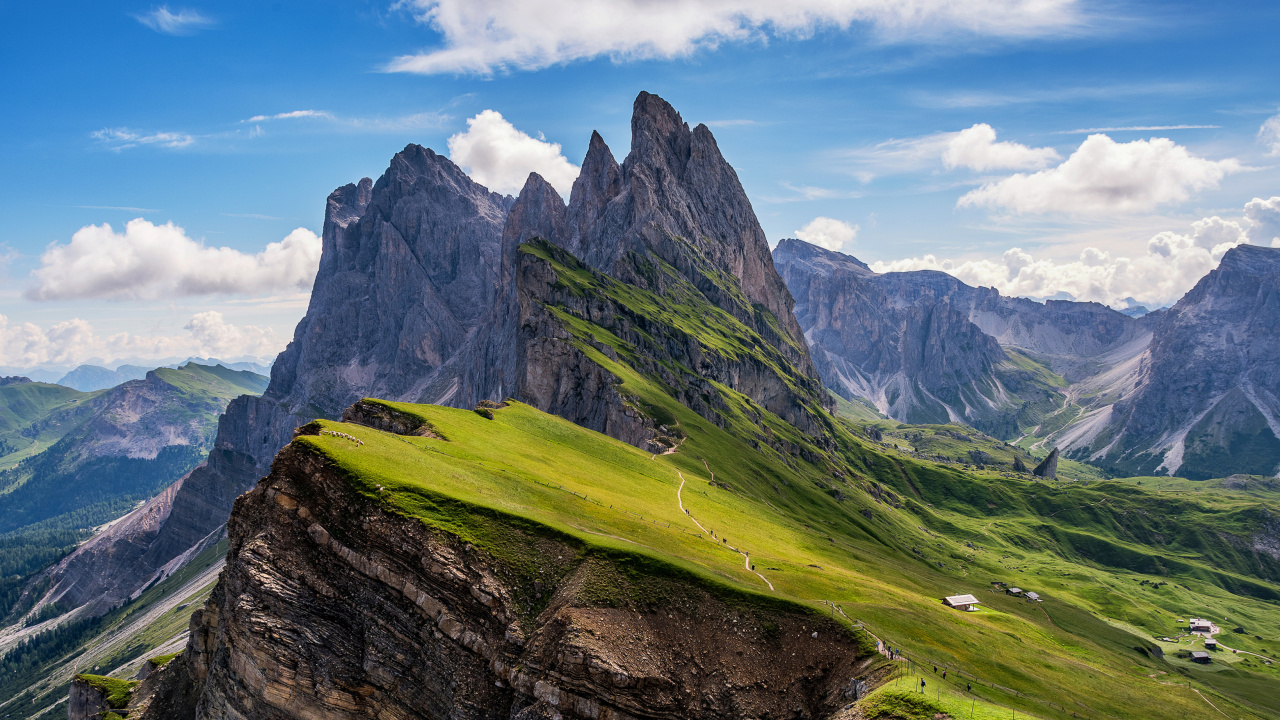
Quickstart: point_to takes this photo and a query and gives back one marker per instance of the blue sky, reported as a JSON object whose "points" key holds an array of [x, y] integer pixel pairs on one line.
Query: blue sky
{"points": [[954, 139]]}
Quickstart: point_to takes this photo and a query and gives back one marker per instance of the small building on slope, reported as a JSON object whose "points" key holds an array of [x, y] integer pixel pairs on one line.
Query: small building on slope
{"points": [[962, 602]]}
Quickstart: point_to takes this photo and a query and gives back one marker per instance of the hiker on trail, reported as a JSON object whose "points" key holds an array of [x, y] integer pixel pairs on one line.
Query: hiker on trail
{"points": [[921, 684], [935, 669], [968, 687], [944, 674]]}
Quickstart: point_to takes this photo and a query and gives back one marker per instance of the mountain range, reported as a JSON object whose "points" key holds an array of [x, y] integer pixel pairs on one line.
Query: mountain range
{"points": [[603, 478], [73, 461], [1186, 391]]}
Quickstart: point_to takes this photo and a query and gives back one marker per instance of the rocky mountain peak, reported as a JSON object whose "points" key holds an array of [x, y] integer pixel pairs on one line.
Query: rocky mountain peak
{"points": [[1251, 260], [538, 212], [658, 130]]}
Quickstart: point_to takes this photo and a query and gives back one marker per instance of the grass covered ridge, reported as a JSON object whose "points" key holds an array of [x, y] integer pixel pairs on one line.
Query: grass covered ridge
{"points": [[806, 533]]}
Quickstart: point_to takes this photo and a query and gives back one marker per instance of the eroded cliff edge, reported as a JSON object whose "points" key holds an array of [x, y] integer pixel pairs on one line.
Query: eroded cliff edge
{"points": [[331, 606]]}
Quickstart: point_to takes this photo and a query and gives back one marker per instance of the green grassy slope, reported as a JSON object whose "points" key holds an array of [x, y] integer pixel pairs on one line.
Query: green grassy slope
{"points": [[33, 416], [953, 533], [884, 535]]}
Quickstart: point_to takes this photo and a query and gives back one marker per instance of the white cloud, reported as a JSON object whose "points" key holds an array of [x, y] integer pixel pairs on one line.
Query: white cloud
{"points": [[1264, 221], [124, 138], [483, 36], [291, 115], [182, 22], [1269, 134], [1173, 263], [74, 341], [976, 148], [828, 232], [1106, 176], [218, 337], [149, 262], [500, 157]]}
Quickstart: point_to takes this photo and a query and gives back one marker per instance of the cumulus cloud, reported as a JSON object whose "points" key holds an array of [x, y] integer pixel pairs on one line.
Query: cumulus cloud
{"points": [[149, 262], [1263, 217], [1269, 134], [976, 148], [1106, 176], [124, 138], [828, 232], [1173, 263], [483, 36], [216, 336], [74, 341], [180, 22], [500, 157]]}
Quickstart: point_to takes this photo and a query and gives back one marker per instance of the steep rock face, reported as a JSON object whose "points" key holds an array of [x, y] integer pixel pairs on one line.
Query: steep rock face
{"points": [[671, 221], [907, 356], [332, 607], [676, 197], [86, 702], [1208, 400], [408, 272], [410, 266]]}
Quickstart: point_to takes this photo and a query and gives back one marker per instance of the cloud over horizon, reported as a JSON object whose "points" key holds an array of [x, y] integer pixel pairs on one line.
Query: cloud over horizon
{"points": [[976, 149], [74, 341], [1173, 264], [153, 262], [485, 36], [500, 157]]}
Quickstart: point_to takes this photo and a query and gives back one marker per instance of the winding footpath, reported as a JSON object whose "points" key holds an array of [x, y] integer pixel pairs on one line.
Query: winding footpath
{"points": [[746, 557]]}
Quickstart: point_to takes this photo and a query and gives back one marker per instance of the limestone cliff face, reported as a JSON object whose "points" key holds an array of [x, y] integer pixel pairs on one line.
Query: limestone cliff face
{"points": [[331, 607], [410, 267], [1209, 396], [671, 219], [409, 271], [676, 197]]}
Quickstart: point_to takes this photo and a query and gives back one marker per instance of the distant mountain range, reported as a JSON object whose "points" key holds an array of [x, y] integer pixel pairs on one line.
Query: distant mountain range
{"points": [[1191, 390], [98, 376], [70, 460]]}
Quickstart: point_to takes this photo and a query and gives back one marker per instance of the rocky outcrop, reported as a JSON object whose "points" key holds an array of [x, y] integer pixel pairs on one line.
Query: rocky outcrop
{"points": [[1208, 400], [86, 702], [408, 272], [331, 607], [1048, 468]]}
